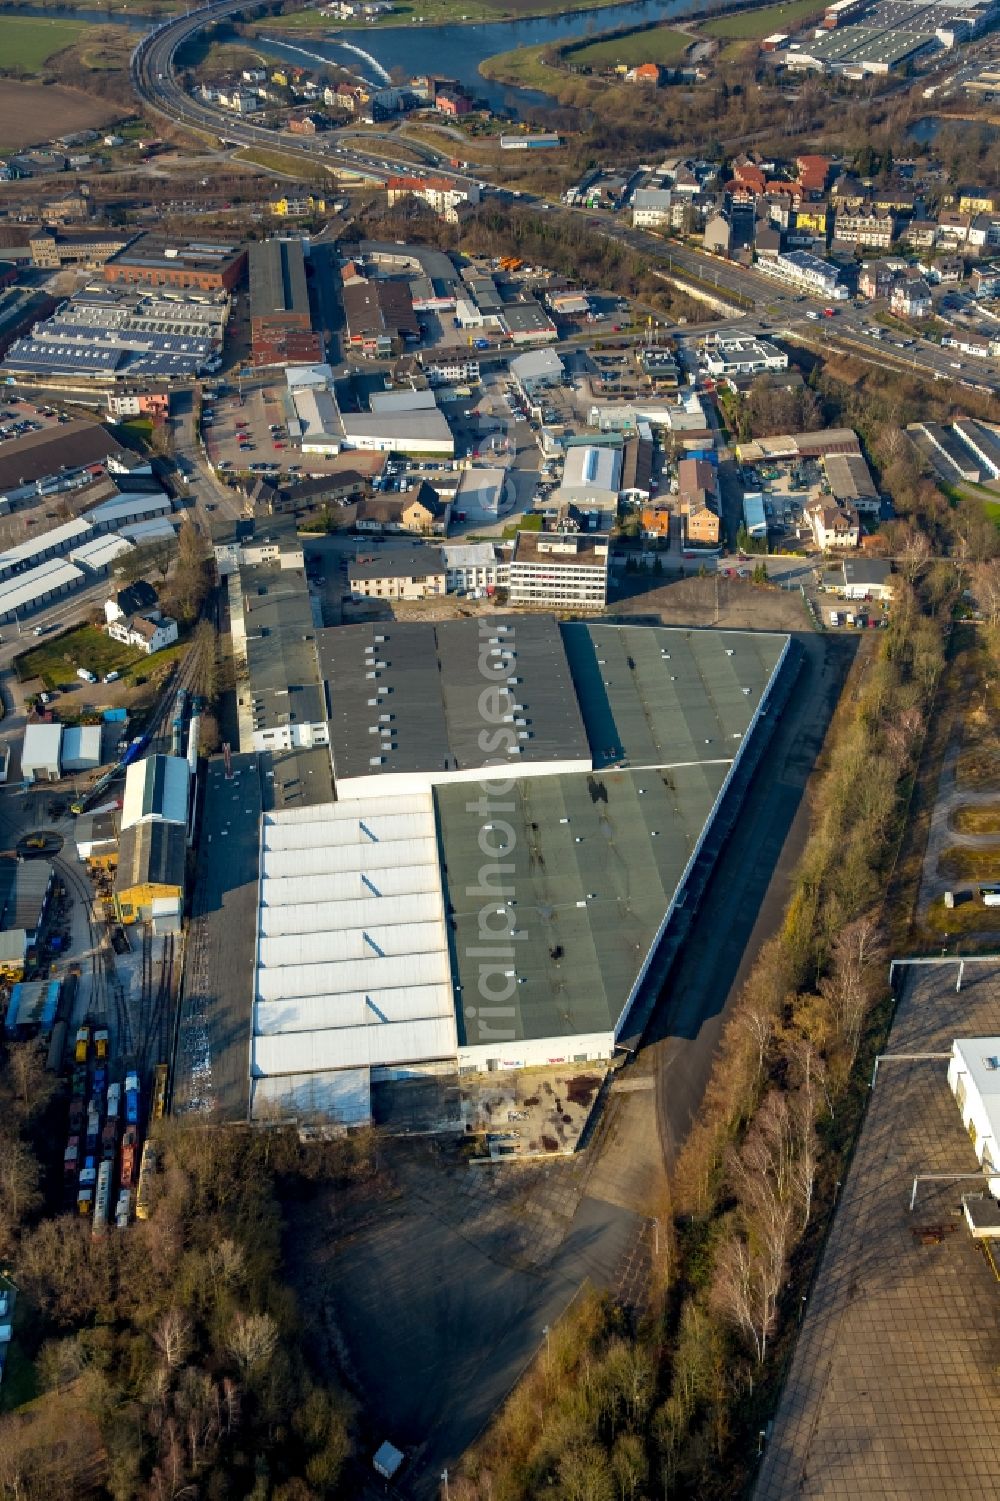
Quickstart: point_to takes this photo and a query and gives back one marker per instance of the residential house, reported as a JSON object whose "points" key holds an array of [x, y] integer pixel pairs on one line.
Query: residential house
{"points": [[833, 526], [654, 519], [138, 596], [701, 525], [812, 219], [418, 510], [443, 194], [978, 200], [920, 234], [150, 631], [911, 297], [813, 173], [398, 573], [876, 277], [647, 73]]}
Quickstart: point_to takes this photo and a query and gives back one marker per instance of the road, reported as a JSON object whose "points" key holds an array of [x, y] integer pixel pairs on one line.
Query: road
{"points": [[152, 77]]}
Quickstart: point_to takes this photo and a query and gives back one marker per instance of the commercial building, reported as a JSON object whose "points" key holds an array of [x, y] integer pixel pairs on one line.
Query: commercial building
{"points": [[352, 969], [474, 568], [415, 433], [559, 570], [156, 791], [370, 966], [380, 317], [733, 354], [281, 329], [851, 482], [536, 370], [40, 753], [52, 248], [866, 578], [405, 703], [480, 495], [33, 590], [54, 459], [527, 322], [202, 265], [81, 747], [151, 865], [280, 703]]}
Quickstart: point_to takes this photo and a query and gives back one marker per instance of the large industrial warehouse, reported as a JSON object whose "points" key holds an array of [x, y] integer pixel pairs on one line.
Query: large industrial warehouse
{"points": [[520, 805]]}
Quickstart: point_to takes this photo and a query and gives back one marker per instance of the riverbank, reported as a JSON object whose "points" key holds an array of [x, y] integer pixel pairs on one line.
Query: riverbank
{"points": [[313, 24]]}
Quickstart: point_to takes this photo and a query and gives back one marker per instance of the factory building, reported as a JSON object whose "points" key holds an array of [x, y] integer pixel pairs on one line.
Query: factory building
{"points": [[617, 746]]}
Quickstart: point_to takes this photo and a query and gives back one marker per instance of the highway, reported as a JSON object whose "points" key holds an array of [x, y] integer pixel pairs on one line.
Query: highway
{"points": [[152, 76]]}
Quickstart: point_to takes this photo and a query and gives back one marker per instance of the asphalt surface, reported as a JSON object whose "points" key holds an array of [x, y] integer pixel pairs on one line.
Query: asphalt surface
{"points": [[746, 895]]}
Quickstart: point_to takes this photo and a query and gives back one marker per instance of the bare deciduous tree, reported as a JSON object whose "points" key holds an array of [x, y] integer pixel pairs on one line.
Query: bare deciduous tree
{"points": [[252, 1339], [858, 959], [172, 1337]]}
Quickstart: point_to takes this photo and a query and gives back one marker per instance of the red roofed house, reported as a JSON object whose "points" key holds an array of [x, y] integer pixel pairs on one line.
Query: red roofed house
{"points": [[644, 73], [748, 175], [813, 172]]}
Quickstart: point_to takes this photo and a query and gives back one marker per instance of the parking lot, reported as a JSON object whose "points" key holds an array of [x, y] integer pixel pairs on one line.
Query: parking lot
{"points": [[19, 417], [247, 433]]}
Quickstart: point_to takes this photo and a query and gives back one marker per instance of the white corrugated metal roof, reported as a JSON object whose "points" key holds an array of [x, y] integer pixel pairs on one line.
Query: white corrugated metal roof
{"points": [[331, 860], [352, 964], [81, 746], [349, 885], [371, 1008], [353, 975], [372, 829], [20, 592], [341, 1095], [293, 949], [415, 802], [58, 538], [135, 503], [148, 531], [156, 788], [100, 552], [41, 747], [355, 1047], [319, 917]]}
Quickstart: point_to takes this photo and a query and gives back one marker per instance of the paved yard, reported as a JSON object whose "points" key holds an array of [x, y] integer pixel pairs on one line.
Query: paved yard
{"points": [[893, 1392]]}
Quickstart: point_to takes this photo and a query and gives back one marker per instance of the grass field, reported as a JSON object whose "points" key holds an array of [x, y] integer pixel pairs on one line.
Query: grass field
{"points": [[31, 113], [57, 660], [749, 25], [970, 819], [661, 44], [29, 41], [970, 864], [524, 68]]}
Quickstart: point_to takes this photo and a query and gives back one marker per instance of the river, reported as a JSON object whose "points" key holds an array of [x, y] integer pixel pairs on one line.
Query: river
{"points": [[449, 51]]}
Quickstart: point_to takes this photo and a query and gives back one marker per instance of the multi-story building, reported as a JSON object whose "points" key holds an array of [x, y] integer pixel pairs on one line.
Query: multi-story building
{"points": [[444, 195], [474, 567], [559, 570], [911, 298], [866, 228], [834, 526]]}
